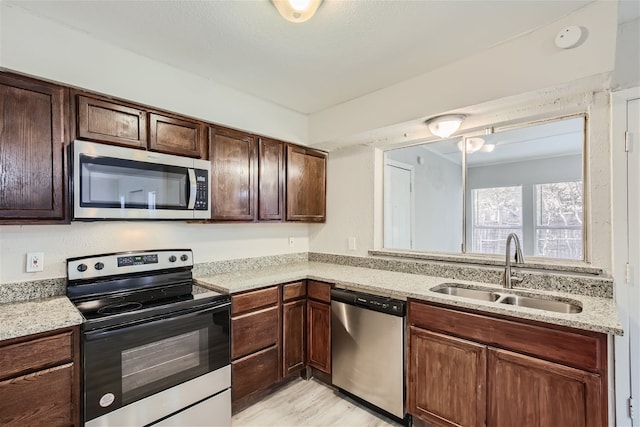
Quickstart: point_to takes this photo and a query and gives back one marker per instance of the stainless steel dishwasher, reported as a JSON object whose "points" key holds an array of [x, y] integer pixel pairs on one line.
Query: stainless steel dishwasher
{"points": [[368, 349]]}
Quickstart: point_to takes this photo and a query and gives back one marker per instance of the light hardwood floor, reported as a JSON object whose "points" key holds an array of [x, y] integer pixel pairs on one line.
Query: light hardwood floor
{"points": [[309, 403]]}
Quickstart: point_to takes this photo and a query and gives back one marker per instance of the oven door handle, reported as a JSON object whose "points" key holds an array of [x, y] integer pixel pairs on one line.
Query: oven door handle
{"points": [[157, 321]]}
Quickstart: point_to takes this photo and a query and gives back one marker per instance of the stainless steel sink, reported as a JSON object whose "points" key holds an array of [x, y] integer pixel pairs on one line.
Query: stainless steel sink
{"points": [[468, 293], [541, 304]]}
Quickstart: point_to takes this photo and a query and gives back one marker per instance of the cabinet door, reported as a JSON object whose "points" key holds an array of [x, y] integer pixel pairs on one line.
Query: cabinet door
{"points": [[293, 343], [108, 121], [175, 136], [306, 184], [319, 336], [233, 175], [32, 136], [525, 390], [271, 180], [446, 379]]}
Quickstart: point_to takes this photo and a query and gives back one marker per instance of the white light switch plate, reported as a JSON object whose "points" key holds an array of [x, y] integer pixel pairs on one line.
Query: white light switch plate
{"points": [[35, 262]]}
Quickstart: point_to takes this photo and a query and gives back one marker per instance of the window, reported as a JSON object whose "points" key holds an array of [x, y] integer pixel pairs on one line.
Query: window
{"points": [[468, 193], [496, 213], [559, 220]]}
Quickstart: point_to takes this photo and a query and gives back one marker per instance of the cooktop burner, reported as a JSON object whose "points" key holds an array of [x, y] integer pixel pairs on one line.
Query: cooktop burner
{"points": [[122, 288]]}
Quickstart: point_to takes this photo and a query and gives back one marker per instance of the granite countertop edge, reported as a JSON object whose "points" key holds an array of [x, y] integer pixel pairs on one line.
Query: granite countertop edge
{"points": [[598, 314], [23, 318]]}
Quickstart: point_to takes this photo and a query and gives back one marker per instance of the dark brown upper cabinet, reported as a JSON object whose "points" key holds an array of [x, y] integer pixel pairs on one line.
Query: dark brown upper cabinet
{"points": [[117, 122], [306, 184], [32, 135], [175, 136], [233, 175], [106, 121], [270, 180]]}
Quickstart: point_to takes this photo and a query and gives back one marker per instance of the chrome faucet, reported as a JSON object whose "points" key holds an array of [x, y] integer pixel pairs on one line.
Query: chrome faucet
{"points": [[519, 259]]}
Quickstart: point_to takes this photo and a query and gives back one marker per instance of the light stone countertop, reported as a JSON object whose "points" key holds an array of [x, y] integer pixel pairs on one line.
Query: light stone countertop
{"points": [[598, 314], [37, 315]]}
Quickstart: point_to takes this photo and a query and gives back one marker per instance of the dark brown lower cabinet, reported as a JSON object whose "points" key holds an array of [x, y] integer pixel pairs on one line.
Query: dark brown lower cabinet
{"points": [[456, 369], [540, 393], [471, 369], [319, 335], [293, 336], [40, 380], [254, 373]]}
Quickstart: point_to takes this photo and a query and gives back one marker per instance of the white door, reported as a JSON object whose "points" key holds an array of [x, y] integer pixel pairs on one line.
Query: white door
{"points": [[633, 216], [397, 205]]}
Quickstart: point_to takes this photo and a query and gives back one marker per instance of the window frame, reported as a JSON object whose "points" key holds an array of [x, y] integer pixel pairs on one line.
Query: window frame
{"points": [[466, 243]]}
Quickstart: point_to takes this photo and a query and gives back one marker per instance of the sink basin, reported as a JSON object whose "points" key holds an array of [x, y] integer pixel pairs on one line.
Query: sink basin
{"points": [[542, 304], [468, 293]]}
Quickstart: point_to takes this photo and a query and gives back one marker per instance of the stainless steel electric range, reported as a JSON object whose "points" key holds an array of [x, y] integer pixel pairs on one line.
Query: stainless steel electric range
{"points": [[156, 347]]}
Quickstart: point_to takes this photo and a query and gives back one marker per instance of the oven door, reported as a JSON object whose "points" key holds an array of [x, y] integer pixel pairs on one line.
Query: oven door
{"points": [[129, 363], [123, 183]]}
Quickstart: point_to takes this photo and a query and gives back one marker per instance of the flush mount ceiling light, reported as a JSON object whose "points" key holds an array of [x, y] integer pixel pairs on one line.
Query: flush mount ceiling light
{"points": [[445, 126], [297, 10], [476, 144]]}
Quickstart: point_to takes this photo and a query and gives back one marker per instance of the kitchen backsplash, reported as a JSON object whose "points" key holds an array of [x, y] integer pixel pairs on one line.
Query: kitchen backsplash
{"points": [[572, 282]]}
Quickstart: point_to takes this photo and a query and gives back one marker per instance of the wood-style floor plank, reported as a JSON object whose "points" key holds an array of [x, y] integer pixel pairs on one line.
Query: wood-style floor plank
{"points": [[311, 404]]}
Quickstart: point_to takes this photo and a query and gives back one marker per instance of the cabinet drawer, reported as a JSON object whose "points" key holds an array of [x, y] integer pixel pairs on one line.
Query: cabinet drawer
{"points": [[35, 354], [254, 331], [43, 398], [106, 121], [581, 350], [319, 291], [294, 290], [254, 300], [253, 373]]}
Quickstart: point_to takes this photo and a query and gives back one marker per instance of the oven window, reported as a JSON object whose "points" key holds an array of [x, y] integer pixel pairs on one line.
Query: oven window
{"points": [[149, 363]]}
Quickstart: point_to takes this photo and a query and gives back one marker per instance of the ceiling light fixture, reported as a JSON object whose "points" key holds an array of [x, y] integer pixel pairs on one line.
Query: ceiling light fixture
{"points": [[297, 10], [445, 126], [472, 144]]}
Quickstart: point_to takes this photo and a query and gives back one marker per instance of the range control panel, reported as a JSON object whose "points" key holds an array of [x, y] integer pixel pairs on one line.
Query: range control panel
{"points": [[369, 301], [100, 266]]}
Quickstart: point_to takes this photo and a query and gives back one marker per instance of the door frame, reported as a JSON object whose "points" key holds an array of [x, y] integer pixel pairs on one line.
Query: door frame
{"points": [[622, 367], [411, 169]]}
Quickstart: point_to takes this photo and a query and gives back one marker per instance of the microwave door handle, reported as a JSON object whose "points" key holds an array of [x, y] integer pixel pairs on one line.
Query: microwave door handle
{"points": [[193, 186]]}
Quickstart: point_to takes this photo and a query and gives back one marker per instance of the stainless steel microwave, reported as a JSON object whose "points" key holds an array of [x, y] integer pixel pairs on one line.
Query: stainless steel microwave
{"points": [[112, 182]]}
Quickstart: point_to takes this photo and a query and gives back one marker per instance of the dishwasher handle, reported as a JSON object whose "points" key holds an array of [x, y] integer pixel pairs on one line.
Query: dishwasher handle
{"points": [[370, 302]]}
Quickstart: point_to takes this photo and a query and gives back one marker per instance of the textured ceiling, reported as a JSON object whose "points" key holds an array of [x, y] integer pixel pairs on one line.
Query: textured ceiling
{"points": [[349, 49]]}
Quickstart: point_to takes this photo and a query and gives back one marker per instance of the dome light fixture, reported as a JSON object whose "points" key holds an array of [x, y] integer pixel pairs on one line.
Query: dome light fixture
{"points": [[297, 10], [445, 126]]}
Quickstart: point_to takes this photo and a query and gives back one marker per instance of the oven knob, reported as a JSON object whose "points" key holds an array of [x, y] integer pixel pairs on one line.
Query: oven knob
{"points": [[172, 258], [99, 266], [82, 268], [184, 257]]}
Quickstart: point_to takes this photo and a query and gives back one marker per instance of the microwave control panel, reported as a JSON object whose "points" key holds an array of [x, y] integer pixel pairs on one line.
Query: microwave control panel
{"points": [[202, 190]]}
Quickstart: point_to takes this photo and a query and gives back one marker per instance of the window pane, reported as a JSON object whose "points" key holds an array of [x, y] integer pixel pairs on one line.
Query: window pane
{"points": [[559, 204], [559, 243], [496, 213], [559, 220]]}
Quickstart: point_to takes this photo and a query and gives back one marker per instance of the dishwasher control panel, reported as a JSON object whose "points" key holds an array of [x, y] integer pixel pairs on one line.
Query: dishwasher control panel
{"points": [[369, 301]]}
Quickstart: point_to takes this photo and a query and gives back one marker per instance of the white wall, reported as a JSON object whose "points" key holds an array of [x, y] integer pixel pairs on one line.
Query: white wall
{"points": [[350, 202], [521, 65], [210, 242], [45, 49], [627, 73], [438, 200]]}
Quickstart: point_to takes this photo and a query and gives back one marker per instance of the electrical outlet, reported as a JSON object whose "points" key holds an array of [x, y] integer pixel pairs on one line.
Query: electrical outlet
{"points": [[35, 262], [292, 242]]}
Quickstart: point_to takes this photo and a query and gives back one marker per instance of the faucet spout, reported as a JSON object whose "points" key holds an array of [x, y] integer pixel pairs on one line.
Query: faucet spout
{"points": [[519, 259]]}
